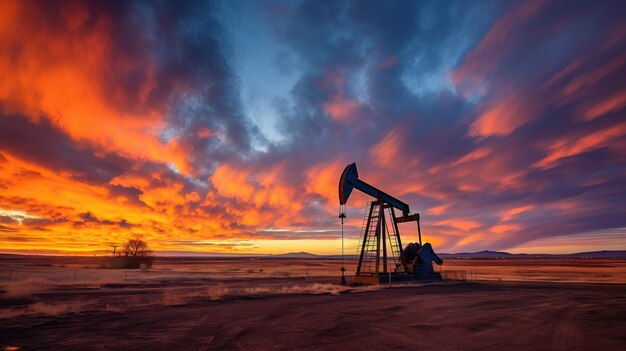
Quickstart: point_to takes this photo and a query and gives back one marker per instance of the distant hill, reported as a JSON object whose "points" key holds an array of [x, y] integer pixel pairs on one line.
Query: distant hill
{"points": [[487, 254], [479, 254], [306, 255], [300, 254], [601, 254], [502, 254]]}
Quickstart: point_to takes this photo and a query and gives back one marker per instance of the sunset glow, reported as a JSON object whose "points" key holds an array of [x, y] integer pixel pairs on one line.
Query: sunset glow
{"points": [[224, 127]]}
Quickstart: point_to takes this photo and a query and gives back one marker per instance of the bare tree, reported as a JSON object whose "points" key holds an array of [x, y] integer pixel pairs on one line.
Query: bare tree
{"points": [[137, 248], [135, 254]]}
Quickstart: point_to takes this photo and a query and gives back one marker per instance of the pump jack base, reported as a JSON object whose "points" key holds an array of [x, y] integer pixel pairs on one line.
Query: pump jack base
{"points": [[386, 278]]}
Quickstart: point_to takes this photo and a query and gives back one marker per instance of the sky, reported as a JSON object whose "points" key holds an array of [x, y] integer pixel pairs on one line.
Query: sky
{"points": [[223, 126]]}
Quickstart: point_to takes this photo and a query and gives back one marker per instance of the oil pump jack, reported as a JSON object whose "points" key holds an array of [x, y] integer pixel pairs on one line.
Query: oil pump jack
{"points": [[381, 256]]}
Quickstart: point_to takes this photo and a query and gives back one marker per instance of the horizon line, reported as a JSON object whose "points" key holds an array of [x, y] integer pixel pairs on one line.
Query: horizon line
{"points": [[168, 253]]}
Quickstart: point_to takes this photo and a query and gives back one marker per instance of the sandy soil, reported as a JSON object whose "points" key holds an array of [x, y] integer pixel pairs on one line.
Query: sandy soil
{"points": [[287, 304], [84, 270], [543, 270], [467, 316]]}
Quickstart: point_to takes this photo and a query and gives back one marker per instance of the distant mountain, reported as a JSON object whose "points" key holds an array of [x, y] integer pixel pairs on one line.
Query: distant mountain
{"points": [[600, 254], [306, 255], [479, 254], [300, 254], [487, 254], [502, 254]]}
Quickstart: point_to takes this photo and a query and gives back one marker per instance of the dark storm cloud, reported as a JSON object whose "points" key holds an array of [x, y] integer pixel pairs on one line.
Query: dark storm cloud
{"points": [[89, 218], [437, 128], [45, 144], [8, 219], [553, 80], [196, 77], [334, 40], [501, 122], [165, 56], [4, 228], [339, 40], [173, 58]]}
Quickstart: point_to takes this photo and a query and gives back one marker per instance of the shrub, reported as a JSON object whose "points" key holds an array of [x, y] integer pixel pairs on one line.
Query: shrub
{"points": [[136, 254]]}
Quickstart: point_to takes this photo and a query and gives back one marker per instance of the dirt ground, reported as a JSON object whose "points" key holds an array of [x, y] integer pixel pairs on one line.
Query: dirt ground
{"points": [[293, 304], [458, 316]]}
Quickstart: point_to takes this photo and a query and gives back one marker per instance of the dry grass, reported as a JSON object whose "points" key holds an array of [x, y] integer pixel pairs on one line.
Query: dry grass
{"points": [[27, 287], [41, 308], [172, 297], [216, 292], [221, 278], [544, 270]]}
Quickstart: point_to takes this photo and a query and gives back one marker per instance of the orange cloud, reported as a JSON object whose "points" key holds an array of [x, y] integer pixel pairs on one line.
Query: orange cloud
{"points": [[231, 182], [493, 46], [574, 146], [60, 205], [275, 192], [61, 72], [460, 224], [205, 133], [338, 106], [437, 210], [508, 214], [505, 116], [192, 197], [505, 228], [388, 150], [614, 103], [477, 154], [591, 78], [323, 180]]}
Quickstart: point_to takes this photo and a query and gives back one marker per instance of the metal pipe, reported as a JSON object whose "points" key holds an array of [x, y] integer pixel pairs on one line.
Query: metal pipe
{"points": [[419, 231]]}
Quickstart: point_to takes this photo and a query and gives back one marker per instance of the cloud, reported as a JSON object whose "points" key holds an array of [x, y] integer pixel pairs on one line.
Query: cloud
{"points": [[146, 93], [500, 122]]}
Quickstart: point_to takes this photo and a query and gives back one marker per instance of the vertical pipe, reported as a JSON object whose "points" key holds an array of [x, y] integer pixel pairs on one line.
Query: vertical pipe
{"points": [[343, 269], [383, 231], [419, 231]]}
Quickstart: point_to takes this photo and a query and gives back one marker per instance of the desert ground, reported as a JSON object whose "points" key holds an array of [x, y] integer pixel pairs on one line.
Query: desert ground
{"points": [[292, 304]]}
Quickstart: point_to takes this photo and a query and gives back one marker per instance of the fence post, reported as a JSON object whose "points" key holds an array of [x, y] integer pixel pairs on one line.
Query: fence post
{"points": [[125, 275], [75, 275]]}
